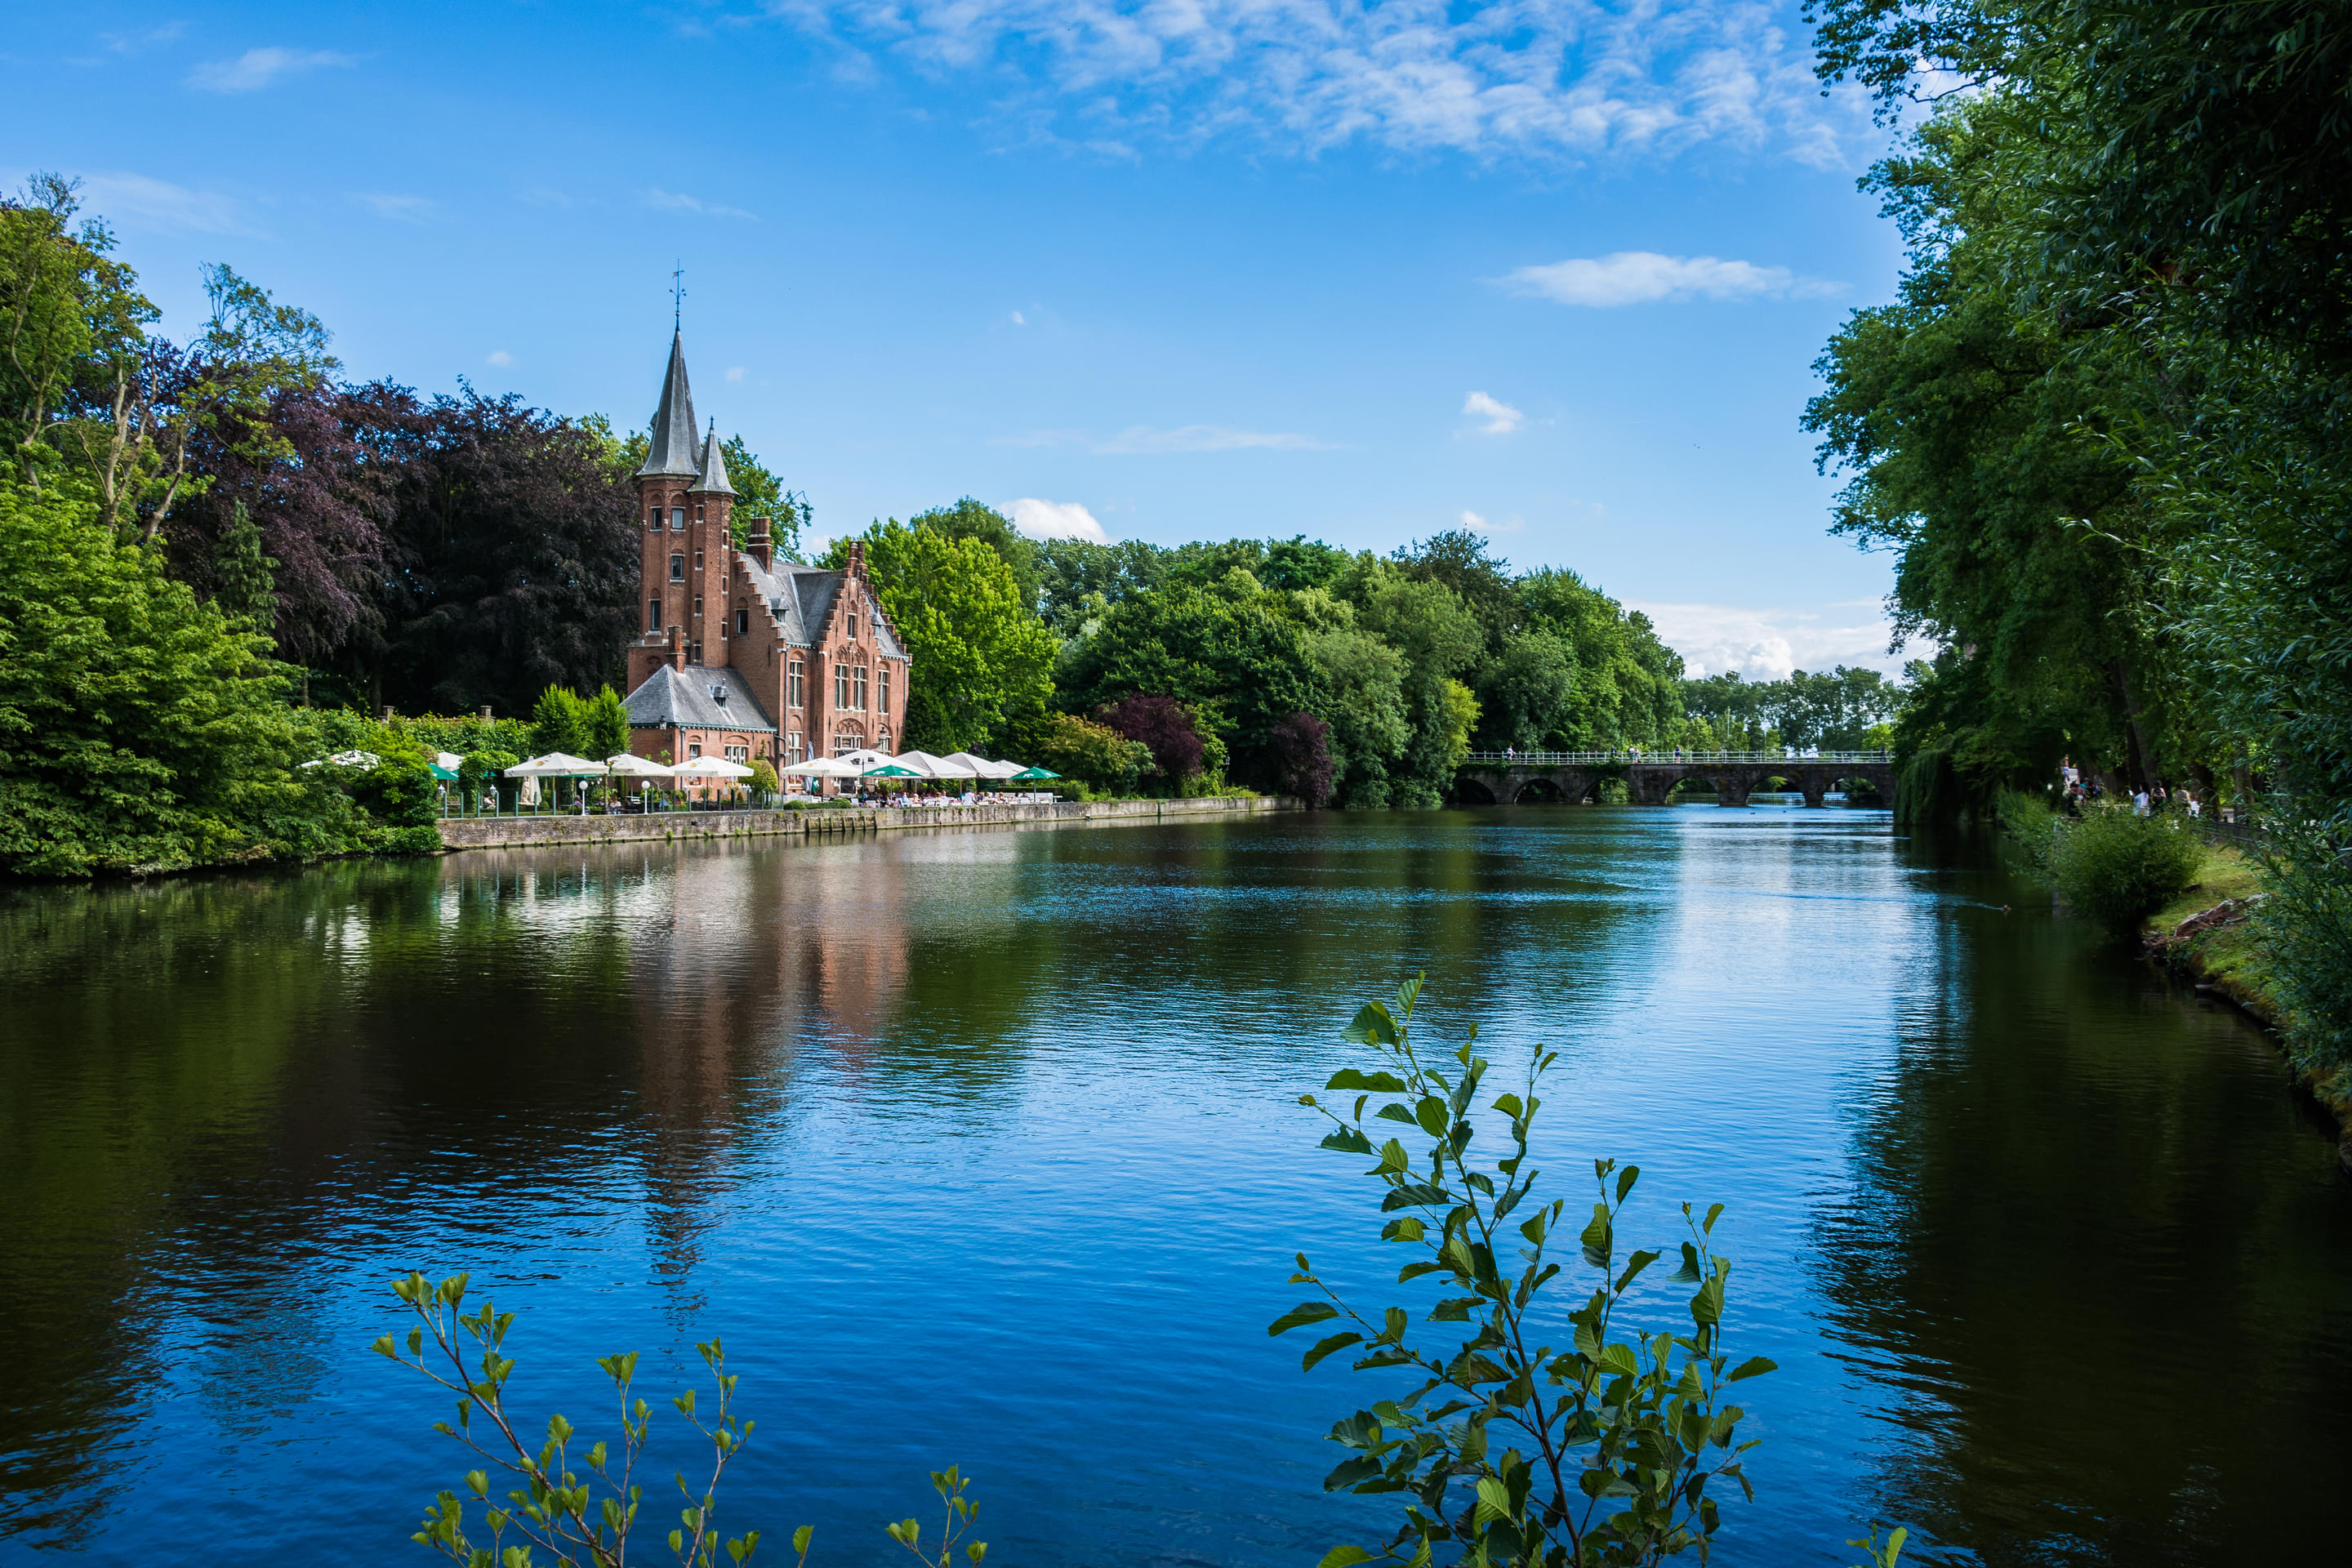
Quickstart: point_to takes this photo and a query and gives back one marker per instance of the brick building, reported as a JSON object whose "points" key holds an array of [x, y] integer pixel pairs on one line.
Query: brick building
{"points": [[742, 655]]}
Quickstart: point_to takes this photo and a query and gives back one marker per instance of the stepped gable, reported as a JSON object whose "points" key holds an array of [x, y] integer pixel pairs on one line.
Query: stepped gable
{"points": [[673, 448], [672, 699]]}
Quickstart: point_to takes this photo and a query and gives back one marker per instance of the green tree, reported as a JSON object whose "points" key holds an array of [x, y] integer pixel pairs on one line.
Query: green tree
{"points": [[1525, 695], [559, 722], [140, 727], [982, 659], [969, 519], [1366, 710], [606, 725], [241, 576], [761, 494]]}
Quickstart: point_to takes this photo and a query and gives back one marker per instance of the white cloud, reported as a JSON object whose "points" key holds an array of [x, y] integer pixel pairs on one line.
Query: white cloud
{"points": [[140, 202], [1644, 277], [499, 357], [1476, 523], [257, 68], [1056, 520], [735, 373], [1019, 320], [677, 201], [1207, 439], [399, 209], [1767, 644], [1546, 77], [139, 43], [1501, 418]]}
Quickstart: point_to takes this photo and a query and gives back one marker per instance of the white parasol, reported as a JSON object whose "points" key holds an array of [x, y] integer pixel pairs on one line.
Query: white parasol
{"points": [[556, 765]]}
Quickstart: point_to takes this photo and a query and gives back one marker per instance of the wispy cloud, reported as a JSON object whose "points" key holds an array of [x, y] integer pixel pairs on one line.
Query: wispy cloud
{"points": [[1577, 78], [257, 68], [139, 43], [499, 357], [399, 209], [1477, 523], [1644, 277], [1767, 644], [1501, 418], [1208, 438], [735, 373], [677, 201], [1056, 520], [1040, 438], [140, 202]]}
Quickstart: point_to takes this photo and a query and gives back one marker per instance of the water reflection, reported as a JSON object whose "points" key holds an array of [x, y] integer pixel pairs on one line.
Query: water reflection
{"points": [[980, 1146]]}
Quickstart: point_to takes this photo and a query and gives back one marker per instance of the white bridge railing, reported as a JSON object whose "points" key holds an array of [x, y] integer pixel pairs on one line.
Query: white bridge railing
{"points": [[1669, 756]]}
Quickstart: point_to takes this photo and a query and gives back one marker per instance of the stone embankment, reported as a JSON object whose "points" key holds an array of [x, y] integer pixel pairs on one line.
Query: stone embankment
{"points": [[459, 833]]}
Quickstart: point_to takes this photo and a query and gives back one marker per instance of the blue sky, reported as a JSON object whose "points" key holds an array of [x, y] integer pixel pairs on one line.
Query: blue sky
{"points": [[1173, 270]]}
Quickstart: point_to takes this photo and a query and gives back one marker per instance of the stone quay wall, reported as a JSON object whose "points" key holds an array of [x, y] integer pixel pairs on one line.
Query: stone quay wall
{"points": [[691, 827]]}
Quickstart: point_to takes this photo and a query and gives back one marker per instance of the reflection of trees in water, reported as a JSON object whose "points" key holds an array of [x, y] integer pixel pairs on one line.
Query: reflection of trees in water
{"points": [[2081, 1257], [216, 1093]]}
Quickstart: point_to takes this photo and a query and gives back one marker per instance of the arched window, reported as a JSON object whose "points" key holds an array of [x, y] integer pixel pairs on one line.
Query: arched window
{"points": [[653, 614], [678, 567]]}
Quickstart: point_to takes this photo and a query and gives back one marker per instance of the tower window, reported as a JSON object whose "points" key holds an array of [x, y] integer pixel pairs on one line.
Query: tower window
{"points": [[693, 654], [653, 519], [698, 561], [653, 614], [742, 623], [698, 511], [678, 517], [698, 604], [678, 568]]}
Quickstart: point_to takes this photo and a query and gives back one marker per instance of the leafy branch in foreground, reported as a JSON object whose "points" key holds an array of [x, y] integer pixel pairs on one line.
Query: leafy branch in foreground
{"points": [[1512, 1451], [962, 1510], [577, 1519]]}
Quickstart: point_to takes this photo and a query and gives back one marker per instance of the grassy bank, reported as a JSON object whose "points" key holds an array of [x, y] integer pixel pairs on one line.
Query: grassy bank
{"points": [[2209, 933]]}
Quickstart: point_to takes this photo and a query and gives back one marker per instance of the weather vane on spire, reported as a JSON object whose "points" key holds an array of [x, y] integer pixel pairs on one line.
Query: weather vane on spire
{"points": [[678, 296]]}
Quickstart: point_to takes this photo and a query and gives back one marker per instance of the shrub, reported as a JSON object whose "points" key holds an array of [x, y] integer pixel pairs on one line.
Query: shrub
{"points": [[2119, 868], [2306, 927], [763, 776], [1094, 754], [1164, 725], [1599, 1452], [1299, 753]]}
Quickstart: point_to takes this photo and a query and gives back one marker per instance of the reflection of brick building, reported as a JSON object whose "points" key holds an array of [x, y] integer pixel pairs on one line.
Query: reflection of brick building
{"points": [[743, 655]]}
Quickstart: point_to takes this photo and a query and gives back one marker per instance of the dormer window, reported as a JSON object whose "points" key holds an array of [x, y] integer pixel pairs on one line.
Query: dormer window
{"points": [[718, 694]]}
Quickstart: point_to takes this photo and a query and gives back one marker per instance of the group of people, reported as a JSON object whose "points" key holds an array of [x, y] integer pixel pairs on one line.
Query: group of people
{"points": [[2083, 786]]}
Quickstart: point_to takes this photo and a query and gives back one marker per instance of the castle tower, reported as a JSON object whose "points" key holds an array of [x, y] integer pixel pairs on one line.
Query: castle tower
{"points": [[711, 500], [666, 562]]}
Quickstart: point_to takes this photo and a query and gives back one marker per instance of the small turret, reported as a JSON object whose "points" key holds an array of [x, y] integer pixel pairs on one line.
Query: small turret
{"points": [[672, 446], [713, 469]]}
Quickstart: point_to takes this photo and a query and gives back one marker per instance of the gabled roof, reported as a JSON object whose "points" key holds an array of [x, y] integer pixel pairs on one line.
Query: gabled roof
{"points": [[714, 468], [672, 450], [673, 699], [801, 597]]}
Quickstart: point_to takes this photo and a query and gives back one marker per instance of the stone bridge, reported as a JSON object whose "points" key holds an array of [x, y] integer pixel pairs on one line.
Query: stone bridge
{"points": [[1507, 778]]}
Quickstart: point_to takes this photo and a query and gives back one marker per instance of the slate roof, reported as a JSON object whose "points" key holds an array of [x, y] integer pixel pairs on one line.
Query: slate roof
{"points": [[672, 699], [714, 467], [672, 450]]}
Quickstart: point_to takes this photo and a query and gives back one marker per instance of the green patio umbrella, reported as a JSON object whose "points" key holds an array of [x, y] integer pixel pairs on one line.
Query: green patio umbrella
{"points": [[1035, 774], [441, 773], [891, 770]]}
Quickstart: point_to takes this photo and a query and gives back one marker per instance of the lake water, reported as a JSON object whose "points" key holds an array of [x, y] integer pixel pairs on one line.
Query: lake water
{"points": [[983, 1148]]}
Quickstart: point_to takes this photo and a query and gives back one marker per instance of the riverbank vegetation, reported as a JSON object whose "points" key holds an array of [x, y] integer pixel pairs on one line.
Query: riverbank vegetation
{"points": [[2103, 425]]}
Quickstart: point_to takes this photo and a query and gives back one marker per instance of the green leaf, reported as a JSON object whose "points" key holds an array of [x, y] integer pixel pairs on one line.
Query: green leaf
{"points": [[1688, 1274], [1393, 1111], [1431, 1113], [1370, 1082], [1372, 1027], [1634, 1266], [1754, 1366], [1305, 1313], [1625, 1179], [1347, 1141], [1325, 1347], [1347, 1472], [1344, 1557]]}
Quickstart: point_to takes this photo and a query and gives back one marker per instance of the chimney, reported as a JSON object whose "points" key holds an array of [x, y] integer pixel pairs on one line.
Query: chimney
{"points": [[677, 648], [762, 545], [486, 713], [857, 558]]}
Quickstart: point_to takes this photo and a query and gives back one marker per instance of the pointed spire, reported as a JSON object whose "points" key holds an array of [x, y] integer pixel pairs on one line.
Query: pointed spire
{"points": [[672, 448], [714, 468]]}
